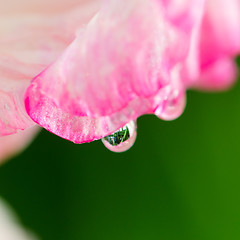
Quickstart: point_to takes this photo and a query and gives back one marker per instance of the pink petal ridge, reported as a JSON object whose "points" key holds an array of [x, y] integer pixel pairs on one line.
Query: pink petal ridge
{"points": [[107, 77]]}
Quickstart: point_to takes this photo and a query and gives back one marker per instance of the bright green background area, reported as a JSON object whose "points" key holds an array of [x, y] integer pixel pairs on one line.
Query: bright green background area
{"points": [[180, 181]]}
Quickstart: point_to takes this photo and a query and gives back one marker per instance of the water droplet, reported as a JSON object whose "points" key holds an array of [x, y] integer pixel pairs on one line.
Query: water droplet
{"points": [[122, 139], [172, 107]]}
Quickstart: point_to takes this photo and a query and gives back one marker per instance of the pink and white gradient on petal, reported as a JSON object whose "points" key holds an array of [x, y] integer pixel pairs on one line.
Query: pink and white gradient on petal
{"points": [[217, 45], [30, 39], [97, 65], [122, 65], [220, 43], [13, 144]]}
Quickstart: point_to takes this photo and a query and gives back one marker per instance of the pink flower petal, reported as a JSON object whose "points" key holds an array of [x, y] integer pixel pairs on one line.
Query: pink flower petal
{"points": [[12, 144], [219, 75], [31, 37], [220, 34], [122, 65], [219, 44]]}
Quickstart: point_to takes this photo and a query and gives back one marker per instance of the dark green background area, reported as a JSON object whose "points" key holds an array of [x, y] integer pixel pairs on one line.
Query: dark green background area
{"points": [[180, 181]]}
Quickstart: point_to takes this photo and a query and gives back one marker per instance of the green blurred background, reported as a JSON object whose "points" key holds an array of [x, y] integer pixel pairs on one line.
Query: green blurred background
{"points": [[179, 181]]}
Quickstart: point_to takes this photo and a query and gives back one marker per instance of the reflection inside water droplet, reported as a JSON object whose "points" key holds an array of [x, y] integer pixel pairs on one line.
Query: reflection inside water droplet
{"points": [[122, 139]]}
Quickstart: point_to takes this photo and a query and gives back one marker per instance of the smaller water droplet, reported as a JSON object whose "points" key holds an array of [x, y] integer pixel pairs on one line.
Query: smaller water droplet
{"points": [[122, 139], [172, 107]]}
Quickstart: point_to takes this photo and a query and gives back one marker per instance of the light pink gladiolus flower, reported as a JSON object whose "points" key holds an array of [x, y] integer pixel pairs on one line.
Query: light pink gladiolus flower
{"points": [[98, 65]]}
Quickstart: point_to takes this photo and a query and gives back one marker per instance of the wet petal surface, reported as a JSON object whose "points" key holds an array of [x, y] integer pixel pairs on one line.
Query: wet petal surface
{"points": [[31, 39], [107, 77]]}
